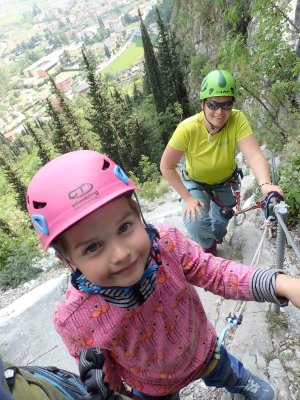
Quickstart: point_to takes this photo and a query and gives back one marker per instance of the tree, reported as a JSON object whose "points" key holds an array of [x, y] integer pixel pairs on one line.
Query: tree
{"points": [[102, 114], [100, 22], [80, 137], [61, 139], [137, 95], [107, 52], [146, 83], [153, 72], [14, 180], [170, 68], [45, 150]]}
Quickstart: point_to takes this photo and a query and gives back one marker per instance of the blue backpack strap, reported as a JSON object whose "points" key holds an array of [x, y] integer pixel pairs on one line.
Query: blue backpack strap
{"points": [[66, 382]]}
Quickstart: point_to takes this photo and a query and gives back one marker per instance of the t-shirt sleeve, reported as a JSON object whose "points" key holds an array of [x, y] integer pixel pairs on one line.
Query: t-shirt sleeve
{"points": [[180, 138], [243, 127]]}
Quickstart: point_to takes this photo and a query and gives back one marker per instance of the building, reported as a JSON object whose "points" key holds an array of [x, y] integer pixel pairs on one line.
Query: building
{"points": [[82, 88], [47, 65], [114, 25], [73, 50], [63, 81]]}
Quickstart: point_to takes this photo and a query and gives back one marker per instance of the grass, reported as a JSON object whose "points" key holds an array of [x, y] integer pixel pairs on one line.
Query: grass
{"points": [[131, 56], [276, 321]]}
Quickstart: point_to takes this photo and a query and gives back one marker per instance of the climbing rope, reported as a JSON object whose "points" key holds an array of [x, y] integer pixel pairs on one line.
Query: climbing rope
{"points": [[235, 317]]}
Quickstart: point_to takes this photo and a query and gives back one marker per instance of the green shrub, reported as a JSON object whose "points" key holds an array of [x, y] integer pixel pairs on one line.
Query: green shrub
{"points": [[290, 182], [152, 185], [149, 170], [151, 190], [16, 261]]}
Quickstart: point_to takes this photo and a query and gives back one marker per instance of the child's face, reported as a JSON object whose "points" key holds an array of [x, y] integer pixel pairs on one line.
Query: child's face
{"points": [[109, 246]]}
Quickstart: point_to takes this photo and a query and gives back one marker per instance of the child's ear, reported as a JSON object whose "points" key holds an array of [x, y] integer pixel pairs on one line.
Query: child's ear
{"points": [[64, 261], [60, 258]]}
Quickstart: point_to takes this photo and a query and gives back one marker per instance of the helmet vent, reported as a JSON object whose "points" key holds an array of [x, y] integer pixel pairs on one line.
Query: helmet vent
{"points": [[38, 205], [106, 165]]}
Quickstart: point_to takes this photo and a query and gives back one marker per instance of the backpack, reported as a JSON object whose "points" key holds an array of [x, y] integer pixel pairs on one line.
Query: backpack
{"points": [[52, 383], [40, 383]]}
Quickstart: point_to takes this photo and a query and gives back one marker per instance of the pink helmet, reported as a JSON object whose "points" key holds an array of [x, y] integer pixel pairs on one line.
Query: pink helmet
{"points": [[69, 188]]}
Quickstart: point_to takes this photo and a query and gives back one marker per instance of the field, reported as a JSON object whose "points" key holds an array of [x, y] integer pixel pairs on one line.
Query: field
{"points": [[131, 56]]}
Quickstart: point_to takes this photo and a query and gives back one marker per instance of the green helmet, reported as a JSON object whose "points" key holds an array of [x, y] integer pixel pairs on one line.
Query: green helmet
{"points": [[217, 83]]}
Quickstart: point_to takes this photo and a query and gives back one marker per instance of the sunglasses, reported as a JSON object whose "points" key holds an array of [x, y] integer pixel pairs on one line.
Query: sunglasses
{"points": [[214, 105]]}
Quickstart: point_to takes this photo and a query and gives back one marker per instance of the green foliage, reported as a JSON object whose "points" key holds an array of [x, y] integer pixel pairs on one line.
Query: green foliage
{"points": [[152, 190], [149, 170], [151, 183], [14, 179], [290, 182], [66, 117], [16, 259], [198, 63], [153, 73], [28, 164]]}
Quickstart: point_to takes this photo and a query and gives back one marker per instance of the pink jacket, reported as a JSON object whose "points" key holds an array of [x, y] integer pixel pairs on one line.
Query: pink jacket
{"points": [[163, 345]]}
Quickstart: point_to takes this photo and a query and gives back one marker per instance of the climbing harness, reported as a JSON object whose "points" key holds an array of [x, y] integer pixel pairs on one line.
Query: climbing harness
{"points": [[235, 317], [226, 211], [261, 203]]}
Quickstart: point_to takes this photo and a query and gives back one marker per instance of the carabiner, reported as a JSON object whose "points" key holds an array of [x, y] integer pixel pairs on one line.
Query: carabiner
{"points": [[270, 196]]}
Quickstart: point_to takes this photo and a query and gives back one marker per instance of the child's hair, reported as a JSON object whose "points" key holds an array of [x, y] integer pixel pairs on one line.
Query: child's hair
{"points": [[69, 188]]}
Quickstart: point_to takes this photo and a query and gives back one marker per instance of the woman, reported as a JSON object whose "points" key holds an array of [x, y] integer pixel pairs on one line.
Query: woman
{"points": [[209, 140]]}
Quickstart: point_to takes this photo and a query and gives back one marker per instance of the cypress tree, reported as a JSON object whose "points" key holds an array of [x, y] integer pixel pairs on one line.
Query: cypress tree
{"points": [[152, 69], [179, 78], [103, 112], [45, 152], [136, 96], [81, 139], [165, 63], [62, 138], [146, 83], [100, 22], [14, 180], [169, 63]]}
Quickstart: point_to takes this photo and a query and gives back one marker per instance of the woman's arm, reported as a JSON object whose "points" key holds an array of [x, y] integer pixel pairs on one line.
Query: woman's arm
{"points": [[258, 163], [168, 163]]}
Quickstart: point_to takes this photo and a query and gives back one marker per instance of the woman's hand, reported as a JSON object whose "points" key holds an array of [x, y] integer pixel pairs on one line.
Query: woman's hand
{"points": [[289, 287], [266, 188], [192, 206]]}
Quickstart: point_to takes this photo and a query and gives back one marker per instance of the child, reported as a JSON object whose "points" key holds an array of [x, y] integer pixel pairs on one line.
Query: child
{"points": [[132, 290]]}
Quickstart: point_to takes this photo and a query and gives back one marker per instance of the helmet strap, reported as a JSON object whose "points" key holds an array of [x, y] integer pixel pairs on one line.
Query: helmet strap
{"points": [[63, 259], [212, 129]]}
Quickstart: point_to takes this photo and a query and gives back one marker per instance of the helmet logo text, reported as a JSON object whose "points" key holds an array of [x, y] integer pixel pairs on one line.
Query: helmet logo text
{"points": [[80, 191]]}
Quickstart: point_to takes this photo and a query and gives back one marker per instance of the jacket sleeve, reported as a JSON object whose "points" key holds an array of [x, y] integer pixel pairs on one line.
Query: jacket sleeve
{"points": [[75, 340], [225, 278]]}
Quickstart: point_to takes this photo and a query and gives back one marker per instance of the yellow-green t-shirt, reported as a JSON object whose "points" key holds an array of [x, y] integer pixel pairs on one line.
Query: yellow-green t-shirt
{"points": [[214, 160]]}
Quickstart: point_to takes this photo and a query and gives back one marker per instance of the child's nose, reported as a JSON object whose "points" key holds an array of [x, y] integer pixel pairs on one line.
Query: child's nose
{"points": [[120, 252]]}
